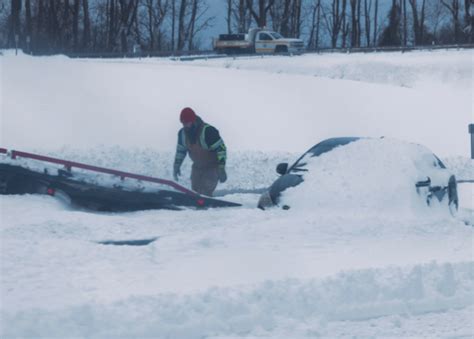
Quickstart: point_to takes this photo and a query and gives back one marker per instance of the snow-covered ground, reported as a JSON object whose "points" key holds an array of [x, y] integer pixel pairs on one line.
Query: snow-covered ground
{"points": [[312, 271]]}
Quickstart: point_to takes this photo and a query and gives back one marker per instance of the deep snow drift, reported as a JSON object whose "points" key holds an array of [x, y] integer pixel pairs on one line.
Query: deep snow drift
{"points": [[306, 272]]}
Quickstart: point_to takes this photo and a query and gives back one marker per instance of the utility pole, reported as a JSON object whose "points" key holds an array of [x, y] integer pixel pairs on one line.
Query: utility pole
{"points": [[471, 132]]}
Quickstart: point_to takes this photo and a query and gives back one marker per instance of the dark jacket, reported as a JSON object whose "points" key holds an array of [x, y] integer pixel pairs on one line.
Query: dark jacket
{"points": [[204, 145]]}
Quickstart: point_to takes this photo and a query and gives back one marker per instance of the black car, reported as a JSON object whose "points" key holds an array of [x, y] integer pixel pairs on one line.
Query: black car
{"points": [[79, 190], [291, 176]]}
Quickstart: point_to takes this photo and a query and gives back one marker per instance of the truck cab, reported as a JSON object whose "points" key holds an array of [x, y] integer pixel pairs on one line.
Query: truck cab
{"points": [[257, 40], [266, 41]]}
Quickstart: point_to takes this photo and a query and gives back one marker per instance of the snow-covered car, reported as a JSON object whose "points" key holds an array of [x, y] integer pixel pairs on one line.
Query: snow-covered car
{"points": [[27, 173], [351, 169]]}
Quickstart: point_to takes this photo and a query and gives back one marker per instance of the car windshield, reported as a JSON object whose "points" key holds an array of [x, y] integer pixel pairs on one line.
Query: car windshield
{"points": [[317, 150], [276, 35], [328, 145], [439, 162]]}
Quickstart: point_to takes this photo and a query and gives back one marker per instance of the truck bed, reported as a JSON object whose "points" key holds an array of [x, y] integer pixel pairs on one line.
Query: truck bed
{"points": [[231, 37]]}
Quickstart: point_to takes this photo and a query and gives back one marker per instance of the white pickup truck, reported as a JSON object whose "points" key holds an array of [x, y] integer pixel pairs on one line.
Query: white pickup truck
{"points": [[257, 40]]}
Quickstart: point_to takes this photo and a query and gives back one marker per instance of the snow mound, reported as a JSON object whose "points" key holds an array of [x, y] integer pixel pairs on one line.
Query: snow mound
{"points": [[463, 167], [415, 69], [367, 176], [294, 306]]}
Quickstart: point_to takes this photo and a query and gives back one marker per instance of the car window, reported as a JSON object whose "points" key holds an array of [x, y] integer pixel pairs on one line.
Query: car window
{"points": [[439, 162], [264, 36], [321, 148], [276, 35]]}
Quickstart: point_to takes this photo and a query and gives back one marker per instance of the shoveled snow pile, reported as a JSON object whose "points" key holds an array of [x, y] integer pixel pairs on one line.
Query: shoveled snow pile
{"points": [[368, 176]]}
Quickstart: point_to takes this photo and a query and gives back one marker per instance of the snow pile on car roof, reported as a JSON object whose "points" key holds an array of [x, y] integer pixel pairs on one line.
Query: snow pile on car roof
{"points": [[367, 176]]}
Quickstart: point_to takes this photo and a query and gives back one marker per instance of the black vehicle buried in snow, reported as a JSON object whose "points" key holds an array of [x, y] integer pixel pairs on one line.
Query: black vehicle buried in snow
{"points": [[15, 178], [291, 176]]}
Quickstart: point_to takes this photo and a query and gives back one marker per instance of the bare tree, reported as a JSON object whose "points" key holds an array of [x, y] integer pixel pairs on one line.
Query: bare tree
{"points": [[200, 22], [418, 21], [436, 14], [53, 28], [181, 24], [355, 23], [469, 19], [344, 31], [127, 15], [286, 17], [367, 20], [87, 25], [228, 17], [191, 21], [334, 18], [313, 41], [112, 26], [453, 7], [260, 15], [376, 16], [28, 25], [405, 23], [242, 16], [155, 15], [39, 23], [391, 34], [295, 19], [280, 13], [173, 25], [191, 25], [359, 34], [14, 22]]}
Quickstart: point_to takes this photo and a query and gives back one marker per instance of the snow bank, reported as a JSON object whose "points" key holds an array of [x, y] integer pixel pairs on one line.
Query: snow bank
{"points": [[296, 307], [463, 167], [428, 69], [267, 104]]}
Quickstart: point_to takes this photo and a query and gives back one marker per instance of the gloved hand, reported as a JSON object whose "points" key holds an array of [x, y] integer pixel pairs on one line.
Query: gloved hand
{"points": [[176, 172], [221, 174]]}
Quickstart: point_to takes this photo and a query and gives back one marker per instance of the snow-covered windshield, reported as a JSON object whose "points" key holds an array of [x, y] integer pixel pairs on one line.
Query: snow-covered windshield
{"points": [[330, 144], [317, 150], [276, 35]]}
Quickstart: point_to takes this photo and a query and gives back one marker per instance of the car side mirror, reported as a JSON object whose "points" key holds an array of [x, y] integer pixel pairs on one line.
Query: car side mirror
{"points": [[282, 168], [424, 183]]}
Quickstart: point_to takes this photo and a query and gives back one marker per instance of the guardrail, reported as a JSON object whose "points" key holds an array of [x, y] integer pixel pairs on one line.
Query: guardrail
{"points": [[210, 54], [390, 49], [465, 181]]}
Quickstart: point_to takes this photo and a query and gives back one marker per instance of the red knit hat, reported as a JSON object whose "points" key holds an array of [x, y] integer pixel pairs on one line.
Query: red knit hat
{"points": [[187, 116]]}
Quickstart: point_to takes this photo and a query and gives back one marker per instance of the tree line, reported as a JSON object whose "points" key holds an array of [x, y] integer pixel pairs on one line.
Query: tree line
{"points": [[52, 26]]}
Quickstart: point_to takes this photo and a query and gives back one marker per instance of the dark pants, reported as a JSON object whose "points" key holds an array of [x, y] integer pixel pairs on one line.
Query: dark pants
{"points": [[204, 179]]}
